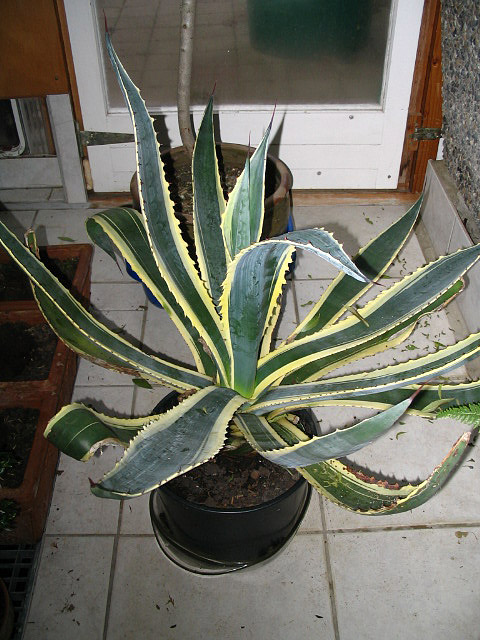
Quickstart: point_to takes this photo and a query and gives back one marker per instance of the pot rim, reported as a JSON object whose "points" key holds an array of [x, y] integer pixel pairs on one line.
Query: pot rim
{"points": [[231, 510], [285, 175]]}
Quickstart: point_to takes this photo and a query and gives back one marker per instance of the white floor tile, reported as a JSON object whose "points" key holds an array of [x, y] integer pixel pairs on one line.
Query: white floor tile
{"points": [[407, 584], [114, 400], [71, 589], [136, 516], [128, 296], [57, 195], [308, 292], [105, 269], [313, 518], [284, 600], [162, 337], [53, 226], [74, 509]]}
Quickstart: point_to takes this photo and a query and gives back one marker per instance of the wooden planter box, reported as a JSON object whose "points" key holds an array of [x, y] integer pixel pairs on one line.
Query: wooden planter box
{"points": [[34, 493], [61, 363], [47, 395]]}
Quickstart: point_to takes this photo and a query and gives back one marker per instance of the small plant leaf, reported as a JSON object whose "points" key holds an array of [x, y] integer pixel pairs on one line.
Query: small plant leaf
{"points": [[467, 414], [140, 382]]}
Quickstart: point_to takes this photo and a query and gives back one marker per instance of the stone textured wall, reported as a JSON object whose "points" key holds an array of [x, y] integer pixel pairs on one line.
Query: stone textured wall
{"points": [[461, 97]]}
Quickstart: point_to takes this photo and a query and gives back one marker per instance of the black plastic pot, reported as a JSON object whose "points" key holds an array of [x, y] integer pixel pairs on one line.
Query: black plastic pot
{"points": [[209, 540]]}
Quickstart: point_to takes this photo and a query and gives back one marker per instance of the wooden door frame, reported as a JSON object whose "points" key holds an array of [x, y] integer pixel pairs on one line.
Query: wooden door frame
{"points": [[425, 109]]}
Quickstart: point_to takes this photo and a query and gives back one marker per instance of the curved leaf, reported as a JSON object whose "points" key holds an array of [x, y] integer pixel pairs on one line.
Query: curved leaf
{"points": [[168, 247], [367, 495], [331, 445], [372, 496], [171, 444], [86, 335], [386, 312], [372, 260], [124, 227], [79, 431], [208, 207]]}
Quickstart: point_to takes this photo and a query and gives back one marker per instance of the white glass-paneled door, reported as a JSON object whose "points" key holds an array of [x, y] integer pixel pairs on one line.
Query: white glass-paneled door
{"points": [[339, 71]]}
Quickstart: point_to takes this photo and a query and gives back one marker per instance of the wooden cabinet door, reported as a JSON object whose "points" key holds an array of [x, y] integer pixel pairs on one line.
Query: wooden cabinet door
{"points": [[31, 50]]}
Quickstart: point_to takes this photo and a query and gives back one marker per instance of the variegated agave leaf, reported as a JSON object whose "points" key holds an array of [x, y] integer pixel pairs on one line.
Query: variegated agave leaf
{"points": [[168, 247], [352, 489], [86, 335], [404, 301], [124, 228], [174, 442], [252, 288], [225, 302]]}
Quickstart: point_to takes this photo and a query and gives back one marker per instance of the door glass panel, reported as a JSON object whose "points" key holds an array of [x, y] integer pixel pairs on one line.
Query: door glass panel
{"points": [[256, 52]]}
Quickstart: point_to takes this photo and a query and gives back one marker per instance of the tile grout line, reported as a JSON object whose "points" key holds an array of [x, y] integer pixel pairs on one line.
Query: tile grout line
{"points": [[113, 567], [312, 532], [119, 523], [400, 527], [414, 527], [331, 585], [326, 552]]}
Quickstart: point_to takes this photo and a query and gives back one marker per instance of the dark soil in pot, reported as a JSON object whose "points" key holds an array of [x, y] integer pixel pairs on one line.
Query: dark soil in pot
{"points": [[27, 351], [234, 481]]}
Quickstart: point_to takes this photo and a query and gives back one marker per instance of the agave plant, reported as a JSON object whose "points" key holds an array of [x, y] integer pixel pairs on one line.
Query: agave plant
{"points": [[226, 304]]}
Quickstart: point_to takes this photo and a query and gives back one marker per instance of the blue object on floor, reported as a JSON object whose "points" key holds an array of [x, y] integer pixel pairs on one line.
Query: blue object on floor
{"points": [[290, 227], [150, 295]]}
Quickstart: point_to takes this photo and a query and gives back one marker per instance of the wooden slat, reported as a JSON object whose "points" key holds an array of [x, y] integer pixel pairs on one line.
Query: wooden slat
{"points": [[319, 196]]}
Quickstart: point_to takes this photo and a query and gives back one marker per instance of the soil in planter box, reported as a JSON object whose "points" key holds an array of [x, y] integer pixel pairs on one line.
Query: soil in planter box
{"points": [[17, 430], [26, 351], [229, 481], [14, 284]]}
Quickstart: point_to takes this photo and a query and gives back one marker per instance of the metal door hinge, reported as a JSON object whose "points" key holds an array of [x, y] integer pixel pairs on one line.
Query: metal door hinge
{"points": [[427, 133], [89, 138], [94, 138]]}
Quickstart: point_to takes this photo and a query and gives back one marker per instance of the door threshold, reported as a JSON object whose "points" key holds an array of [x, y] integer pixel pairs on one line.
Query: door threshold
{"points": [[301, 197], [305, 197]]}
